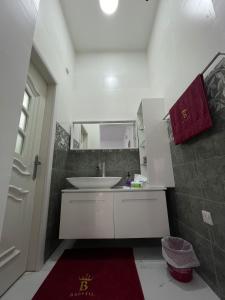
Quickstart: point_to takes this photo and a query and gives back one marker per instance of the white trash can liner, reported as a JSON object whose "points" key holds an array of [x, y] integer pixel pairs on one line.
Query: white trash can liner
{"points": [[179, 253]]}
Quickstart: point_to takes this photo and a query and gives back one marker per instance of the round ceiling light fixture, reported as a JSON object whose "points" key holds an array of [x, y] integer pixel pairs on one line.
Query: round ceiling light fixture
{"points": [[109, 7]]}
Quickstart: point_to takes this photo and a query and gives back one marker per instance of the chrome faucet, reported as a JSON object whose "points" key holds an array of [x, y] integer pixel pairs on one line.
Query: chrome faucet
{"points": [[101, 169]]}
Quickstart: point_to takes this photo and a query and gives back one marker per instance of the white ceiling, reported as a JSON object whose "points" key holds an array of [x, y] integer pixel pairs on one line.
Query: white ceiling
{"points": [[127, 30]]}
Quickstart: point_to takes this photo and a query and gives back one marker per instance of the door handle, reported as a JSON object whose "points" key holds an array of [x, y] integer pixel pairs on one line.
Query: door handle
{"points": [[36, 164]]}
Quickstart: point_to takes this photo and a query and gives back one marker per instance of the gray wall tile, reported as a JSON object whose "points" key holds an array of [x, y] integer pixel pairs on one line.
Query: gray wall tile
{"points": [[187, 179], [219, 257], [117, 163], [218, 215], [212, 174], [61, 149], [199, 171]]}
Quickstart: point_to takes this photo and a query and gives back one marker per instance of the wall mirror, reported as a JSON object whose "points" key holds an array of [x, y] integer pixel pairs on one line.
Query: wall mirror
{"points": [[103, 135]]}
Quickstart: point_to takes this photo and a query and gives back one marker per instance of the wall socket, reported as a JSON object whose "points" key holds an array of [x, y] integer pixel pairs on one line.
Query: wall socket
{"points": [[207, 218]]}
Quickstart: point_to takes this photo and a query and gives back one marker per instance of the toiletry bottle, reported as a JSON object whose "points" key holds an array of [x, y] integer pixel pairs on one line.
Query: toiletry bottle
{"points": [[128, 180]]}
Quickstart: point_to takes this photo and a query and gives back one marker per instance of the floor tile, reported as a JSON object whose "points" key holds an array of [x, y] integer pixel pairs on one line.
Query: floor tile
{"points": [[157, 284], [155, 280]]}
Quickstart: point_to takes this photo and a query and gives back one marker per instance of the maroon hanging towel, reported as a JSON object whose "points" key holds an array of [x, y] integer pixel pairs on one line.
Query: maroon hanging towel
{"points": [[190, 114]]}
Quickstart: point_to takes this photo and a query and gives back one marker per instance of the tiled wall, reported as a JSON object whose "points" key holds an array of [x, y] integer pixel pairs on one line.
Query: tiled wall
{"points": [[68, 163], [61, 150], [199, 170], [117, 163]]}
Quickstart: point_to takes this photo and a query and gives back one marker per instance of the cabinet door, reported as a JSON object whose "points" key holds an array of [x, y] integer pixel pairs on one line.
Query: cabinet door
{"points": [[140, 214], [86, 216]]}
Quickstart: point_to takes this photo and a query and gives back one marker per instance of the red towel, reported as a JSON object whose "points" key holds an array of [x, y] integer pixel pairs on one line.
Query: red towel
{"points": [[190, 114]]}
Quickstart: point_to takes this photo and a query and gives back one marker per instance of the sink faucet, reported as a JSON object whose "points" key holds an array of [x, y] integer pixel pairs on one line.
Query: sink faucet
{"points": [[101, 168]]}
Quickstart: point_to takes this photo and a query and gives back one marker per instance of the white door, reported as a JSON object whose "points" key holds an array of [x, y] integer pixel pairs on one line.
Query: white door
{"points": [[17, 223]]}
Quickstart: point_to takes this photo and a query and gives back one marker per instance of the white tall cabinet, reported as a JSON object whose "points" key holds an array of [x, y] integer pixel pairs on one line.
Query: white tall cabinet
{"points": [[154, 148]]}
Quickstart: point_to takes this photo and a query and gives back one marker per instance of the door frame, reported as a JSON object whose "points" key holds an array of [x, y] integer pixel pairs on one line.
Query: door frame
{"points": [[35, 258]]}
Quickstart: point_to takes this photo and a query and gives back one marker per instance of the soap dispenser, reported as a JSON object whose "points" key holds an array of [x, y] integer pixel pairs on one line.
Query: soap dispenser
{"points": [[128, 179]]}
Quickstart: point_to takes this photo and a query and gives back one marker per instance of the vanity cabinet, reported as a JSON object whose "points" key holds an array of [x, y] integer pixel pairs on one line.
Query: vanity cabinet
{"points": [[87, 216], [140, 214], [114, 214]]}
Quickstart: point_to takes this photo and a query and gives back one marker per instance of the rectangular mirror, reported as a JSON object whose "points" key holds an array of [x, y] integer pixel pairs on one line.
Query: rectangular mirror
{"points": [[103, 135]]}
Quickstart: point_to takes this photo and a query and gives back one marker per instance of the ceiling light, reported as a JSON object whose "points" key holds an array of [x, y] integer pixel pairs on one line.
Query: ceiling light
{"points": [[109, 7], [111, 81]]}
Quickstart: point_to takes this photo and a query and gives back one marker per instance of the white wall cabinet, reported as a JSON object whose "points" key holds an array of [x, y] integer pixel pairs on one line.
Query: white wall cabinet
{"points": [[154, 147], [87, 216], [107, 215]]}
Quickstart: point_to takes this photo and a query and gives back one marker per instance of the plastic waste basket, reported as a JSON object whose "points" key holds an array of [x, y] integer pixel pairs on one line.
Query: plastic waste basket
{"points": [[180, 257]]}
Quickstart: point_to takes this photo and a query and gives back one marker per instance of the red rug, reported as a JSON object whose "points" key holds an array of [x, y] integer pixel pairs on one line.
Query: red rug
{"points": [[98, 274]]}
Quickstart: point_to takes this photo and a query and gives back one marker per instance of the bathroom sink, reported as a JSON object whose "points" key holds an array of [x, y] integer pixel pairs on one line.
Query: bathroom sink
{"points": [[93, 182]]}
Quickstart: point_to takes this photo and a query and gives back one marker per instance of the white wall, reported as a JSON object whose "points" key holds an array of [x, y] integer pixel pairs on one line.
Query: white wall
{"points": [[109, 86], [186, 35], [100, 86], [54, 45], [17, 22]]}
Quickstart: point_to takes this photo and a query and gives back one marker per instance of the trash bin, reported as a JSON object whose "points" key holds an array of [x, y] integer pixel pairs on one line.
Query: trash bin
{"points": [[180, 257]]}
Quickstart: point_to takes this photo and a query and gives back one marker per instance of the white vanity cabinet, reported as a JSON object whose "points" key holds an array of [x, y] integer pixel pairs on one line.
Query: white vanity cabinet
{"points": [[112, 214], [87, 216], [140, 214]]}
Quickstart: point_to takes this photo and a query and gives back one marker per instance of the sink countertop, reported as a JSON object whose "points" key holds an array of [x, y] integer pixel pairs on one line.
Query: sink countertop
{"points": [[150, 188]]}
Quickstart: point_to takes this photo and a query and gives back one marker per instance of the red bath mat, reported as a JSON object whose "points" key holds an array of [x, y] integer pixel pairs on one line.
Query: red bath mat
{"points": [[98, 274]]}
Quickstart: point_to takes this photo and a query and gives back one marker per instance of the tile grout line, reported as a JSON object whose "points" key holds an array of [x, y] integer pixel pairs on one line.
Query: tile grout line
{"points": [[200, 198], [203, 159], [193, 231], [214, 263]]}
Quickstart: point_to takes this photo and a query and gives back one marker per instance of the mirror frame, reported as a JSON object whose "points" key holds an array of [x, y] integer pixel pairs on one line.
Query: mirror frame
{"points": [[106, 122]]}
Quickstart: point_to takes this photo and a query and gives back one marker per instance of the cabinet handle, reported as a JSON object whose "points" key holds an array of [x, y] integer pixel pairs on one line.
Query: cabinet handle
{"points": [[131, 200], [80, 200]]}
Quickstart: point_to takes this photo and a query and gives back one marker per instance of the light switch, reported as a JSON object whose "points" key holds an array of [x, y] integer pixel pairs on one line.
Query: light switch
{"points": [[207, 218]]}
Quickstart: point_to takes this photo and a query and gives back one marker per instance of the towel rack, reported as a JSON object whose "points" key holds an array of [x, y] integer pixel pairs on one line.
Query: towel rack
{"points": [[206, 68]]}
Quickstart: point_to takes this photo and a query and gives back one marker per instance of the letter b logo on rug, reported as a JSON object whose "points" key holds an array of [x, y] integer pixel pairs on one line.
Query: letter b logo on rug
{"points": [[84, 281]]}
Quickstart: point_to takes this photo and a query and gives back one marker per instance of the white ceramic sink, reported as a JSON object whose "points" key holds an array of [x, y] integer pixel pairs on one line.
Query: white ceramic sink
{"points": [[93, 182]]}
